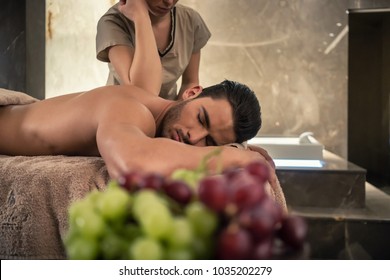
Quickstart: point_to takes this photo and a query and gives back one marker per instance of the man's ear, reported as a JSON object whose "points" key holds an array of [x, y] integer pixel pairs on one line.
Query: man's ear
{"points": [[192, 92]]}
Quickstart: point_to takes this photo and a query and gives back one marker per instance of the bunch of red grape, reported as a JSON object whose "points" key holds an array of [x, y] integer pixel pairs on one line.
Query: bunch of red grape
{"points": [[191, 215], [253, 225]]}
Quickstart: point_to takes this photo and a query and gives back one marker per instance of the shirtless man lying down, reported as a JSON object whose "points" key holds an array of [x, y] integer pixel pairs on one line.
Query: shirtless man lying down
{"points": [[130, 126], [134, 129]]}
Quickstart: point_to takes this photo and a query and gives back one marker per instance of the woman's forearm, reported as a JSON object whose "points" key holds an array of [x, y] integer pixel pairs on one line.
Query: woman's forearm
{"points": [[145, 70]]}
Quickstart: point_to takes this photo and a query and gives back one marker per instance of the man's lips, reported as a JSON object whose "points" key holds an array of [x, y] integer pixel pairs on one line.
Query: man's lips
{"points": [[176, 136]]}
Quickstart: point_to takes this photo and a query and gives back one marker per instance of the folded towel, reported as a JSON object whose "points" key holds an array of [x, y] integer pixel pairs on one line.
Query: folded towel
{"points": [[10, 97]]}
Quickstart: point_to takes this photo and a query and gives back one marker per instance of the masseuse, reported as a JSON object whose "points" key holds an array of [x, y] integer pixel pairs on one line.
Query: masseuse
{"points": [[180, 34]]}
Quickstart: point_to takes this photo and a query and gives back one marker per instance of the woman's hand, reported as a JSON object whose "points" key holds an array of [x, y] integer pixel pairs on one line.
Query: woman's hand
{"points": [[133, 8]]}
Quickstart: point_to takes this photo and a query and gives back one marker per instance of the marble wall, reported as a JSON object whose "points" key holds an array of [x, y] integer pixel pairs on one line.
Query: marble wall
{"points": [[12, 45], [292, 53]]}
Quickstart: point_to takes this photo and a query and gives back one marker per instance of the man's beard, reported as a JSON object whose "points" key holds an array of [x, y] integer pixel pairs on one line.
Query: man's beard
{"points": [[171, 117]]}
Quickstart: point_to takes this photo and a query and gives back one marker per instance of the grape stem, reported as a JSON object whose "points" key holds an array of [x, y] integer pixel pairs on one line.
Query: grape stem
{"points": [[202, 168]]}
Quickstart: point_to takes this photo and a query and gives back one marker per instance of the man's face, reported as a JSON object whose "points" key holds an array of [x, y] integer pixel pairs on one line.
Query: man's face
{"points": [[200, 122]]}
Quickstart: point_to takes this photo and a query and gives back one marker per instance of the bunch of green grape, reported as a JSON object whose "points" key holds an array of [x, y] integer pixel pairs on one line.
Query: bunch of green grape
{"points": [[190, 215], [141, 217]]}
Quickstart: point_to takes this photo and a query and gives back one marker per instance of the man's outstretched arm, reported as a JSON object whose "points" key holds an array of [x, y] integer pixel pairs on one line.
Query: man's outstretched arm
{"points": [[125, 148]]}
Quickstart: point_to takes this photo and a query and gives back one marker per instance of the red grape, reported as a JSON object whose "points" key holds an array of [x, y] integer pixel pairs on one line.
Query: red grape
{"points": [[259, 170], [153, 181], [260, 223], [178, 190], [213, 192], [230, 173], [263, 249], [244, 190], [132, 181], [293, 231], [234, 243], [272, 208]]}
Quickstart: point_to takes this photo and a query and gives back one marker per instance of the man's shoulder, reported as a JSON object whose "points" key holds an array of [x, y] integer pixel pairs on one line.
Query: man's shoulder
{"points": [[120, 91]]}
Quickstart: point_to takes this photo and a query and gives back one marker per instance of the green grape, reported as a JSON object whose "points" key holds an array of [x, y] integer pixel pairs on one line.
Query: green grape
{"points": [[204, 222], [145, 248], [144, 200], [179, 254], [114, 204], [71, 234], [202, 248], [113, 246], [181, 233], [130, 231], [152, 213], [113, 184], [77, 208], [93, 196], [156, 222], [90, 224], [82, 249], [191, 177]]}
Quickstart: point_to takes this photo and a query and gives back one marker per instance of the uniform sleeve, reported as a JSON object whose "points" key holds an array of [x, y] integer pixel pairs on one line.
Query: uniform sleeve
{"points": [[202, 33], [113, 28]]}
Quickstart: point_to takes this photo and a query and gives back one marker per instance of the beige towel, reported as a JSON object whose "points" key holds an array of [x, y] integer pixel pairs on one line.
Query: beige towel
{"points": [[9, 97], [35, 193]]}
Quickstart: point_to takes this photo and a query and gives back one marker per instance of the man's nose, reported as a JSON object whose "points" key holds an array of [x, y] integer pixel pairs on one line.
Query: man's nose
{"points": [[197, 136]]}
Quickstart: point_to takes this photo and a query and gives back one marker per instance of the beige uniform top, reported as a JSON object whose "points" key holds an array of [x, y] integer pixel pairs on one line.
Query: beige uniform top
{"points": [[189, 34]]}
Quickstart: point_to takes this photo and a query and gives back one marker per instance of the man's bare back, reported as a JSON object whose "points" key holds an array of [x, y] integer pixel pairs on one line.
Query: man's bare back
{"points": [[67, 124]]}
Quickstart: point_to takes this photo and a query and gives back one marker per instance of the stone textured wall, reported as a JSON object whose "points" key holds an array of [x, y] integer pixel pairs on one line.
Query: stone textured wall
{"points": [[292, 53], [12, 45], [71, 63]]}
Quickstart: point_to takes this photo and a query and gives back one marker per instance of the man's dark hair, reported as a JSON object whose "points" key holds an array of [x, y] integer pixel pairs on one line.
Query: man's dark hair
{"points": [[246, 107]]}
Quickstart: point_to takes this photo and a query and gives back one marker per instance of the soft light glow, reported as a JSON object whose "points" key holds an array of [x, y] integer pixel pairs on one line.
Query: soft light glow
{"points": [[298, 163]]}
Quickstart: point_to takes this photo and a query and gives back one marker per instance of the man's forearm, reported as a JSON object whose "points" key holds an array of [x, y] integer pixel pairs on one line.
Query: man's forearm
{"points": [[164, 155]]}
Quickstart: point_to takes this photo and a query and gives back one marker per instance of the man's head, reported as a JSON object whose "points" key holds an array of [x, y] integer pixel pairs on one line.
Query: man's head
{"points": [[221, 114]]}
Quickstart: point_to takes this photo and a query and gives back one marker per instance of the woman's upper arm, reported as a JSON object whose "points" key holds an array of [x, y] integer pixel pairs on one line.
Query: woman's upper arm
{"points": [[121, 58], [115, 43], [113, 29]]}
